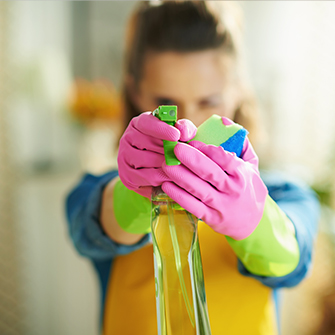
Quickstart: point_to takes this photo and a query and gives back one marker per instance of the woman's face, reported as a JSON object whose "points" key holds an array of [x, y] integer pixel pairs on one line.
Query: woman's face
{"points": [[199, 83]]}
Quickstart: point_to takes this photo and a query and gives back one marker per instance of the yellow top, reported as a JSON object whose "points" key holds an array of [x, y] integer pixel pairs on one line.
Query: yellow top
{"points": [[236, 304]]}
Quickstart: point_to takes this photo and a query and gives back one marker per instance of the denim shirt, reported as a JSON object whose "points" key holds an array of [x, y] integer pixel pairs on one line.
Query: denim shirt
{"points": [[83, 211]]}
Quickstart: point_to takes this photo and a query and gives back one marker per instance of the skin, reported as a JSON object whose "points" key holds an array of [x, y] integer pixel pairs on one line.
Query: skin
{"points": [[199, 83]]}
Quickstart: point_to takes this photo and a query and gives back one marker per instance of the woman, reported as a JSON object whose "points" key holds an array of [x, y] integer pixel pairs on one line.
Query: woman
{"points": [[187, 53]]}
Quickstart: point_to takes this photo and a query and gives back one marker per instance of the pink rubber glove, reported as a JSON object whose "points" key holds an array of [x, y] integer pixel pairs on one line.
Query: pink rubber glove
{"points": [[218, 187], [141, 152]]}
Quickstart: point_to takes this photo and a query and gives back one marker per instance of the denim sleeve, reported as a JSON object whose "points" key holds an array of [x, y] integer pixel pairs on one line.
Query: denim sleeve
{"points": [[301, 205], [83, 211]]}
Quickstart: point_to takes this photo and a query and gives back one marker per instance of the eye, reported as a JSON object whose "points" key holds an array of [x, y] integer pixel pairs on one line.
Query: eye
{"points": [[211, 102], [164, 101]]}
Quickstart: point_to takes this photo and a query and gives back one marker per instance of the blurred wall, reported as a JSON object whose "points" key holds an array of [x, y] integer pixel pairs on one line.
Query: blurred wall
{"points": [[98, 31], [45, 286], [10, 275], [291, 61]]}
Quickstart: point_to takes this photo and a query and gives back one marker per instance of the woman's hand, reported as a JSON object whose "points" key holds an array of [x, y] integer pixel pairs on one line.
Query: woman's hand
{"points": [[141, 152], [218, 187]]}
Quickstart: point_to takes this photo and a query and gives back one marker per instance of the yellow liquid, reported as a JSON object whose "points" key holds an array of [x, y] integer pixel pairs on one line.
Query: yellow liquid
{"points": [[179, 312]]}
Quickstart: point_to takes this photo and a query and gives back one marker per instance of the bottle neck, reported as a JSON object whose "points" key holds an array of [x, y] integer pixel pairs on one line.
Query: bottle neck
{"points": [[158, 197]]}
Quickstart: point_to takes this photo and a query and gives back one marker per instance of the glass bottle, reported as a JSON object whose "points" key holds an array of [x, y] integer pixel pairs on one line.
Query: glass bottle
{"points": [[180, 291]]}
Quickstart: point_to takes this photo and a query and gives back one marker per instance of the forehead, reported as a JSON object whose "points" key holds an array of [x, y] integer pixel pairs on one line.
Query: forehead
{"points": [[194, 74]]}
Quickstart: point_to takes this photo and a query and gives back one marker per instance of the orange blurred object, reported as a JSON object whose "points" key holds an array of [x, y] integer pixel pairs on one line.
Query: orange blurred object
{"points": [[91, 101]]}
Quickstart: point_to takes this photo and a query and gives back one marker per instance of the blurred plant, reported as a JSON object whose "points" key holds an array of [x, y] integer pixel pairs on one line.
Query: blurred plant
{"points": [[325, 187], [94, 101], [325, 192]]}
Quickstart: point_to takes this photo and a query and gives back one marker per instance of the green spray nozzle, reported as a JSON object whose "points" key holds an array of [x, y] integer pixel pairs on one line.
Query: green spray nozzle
{"points": [[168, 114]]}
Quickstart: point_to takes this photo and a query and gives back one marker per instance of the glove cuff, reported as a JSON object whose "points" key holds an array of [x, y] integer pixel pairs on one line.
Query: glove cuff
{"points": [[132, 211], [272, 249]]}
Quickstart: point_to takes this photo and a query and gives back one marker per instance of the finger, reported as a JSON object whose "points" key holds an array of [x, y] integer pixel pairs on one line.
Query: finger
{"points": [[132, 178], [226, 160], [139, 159], [197, 144], [136, 139], [191, 183], [226, 121], [148, 124], [152, 176], [187, 129], [249, 154], [145, 191], [202, 166], [185, 199]]}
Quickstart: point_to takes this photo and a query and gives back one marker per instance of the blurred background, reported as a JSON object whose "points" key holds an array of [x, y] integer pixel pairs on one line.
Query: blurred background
{"points": [[60, 70]]}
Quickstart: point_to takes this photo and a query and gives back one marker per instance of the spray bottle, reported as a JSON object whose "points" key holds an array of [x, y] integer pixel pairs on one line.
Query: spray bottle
{"points": [[180, 291]]}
